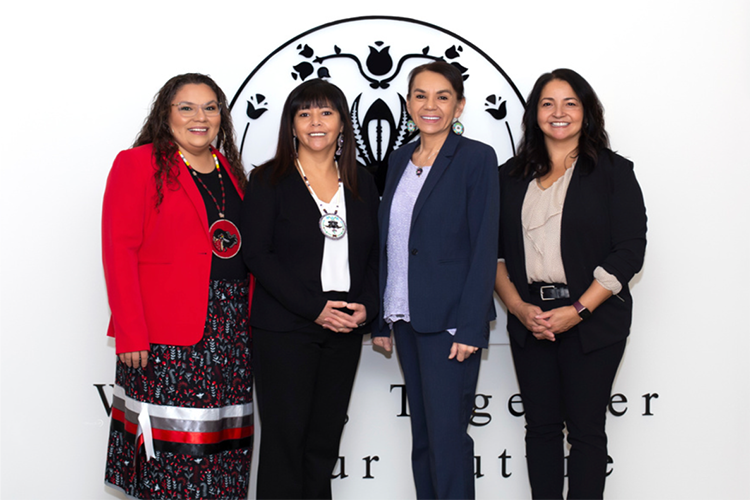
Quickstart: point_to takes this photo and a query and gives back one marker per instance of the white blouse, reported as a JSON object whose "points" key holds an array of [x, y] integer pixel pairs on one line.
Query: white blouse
{"points": [[334, 270]]}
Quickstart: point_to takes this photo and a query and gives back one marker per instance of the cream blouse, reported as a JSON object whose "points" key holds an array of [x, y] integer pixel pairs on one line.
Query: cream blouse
{"points": [[541, 217]]}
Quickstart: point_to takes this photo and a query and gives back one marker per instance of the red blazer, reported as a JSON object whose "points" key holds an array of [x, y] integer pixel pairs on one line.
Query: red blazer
{"points": [[157, 261]]}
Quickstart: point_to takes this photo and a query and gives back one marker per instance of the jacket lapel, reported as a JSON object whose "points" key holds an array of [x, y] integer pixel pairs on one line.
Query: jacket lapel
{"points": [[439, 167], [570, 212], [517, 195], [523, 187], [225, 170], [392, 180], [185, 178]]}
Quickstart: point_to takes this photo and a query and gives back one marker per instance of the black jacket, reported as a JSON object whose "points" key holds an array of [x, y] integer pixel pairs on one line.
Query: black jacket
{"points": [[603, 224], [283, 248]]}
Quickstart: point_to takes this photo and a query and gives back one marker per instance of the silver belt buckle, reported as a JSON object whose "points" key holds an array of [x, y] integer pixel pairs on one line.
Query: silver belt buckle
{"points": [[541, 292]]}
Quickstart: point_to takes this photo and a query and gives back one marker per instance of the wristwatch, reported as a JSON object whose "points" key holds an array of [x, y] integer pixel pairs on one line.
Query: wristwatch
{"points": [[582, 311]]}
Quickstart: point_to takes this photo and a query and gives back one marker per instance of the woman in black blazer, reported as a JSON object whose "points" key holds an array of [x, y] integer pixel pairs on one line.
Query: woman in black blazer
{"points": [[572, 235], [310, 233]]}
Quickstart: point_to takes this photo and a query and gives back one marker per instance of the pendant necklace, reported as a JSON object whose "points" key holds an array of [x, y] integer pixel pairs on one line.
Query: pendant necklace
{"points": [[420, 170], [331, 225], [225, 237]]}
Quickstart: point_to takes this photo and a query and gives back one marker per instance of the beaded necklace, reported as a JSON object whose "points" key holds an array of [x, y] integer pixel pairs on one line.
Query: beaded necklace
{"points": [[223, 206], [331, 225], [225, 237]]}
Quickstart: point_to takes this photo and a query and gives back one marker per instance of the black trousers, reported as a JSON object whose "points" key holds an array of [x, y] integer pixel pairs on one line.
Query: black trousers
{"points": [[563, 387], [303, 382]]}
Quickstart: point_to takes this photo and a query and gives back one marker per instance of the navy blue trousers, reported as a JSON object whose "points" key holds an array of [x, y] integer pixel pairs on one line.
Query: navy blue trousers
{"points": [[441, 398]]}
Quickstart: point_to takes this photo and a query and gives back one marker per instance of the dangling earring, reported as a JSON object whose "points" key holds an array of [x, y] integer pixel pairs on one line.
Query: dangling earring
{"points": [[457, 127], [341, 145], [411, 127], [296, 154]]}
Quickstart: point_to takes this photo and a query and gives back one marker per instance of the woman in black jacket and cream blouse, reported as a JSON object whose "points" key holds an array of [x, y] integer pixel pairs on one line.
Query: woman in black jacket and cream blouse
{"points": [[572, 235]]}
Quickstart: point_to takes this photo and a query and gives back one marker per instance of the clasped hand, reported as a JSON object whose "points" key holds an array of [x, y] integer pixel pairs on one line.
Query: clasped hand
{"points": [[544, 325], [333, 319]]}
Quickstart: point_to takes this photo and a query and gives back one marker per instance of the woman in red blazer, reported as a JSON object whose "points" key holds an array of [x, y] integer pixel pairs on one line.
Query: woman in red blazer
{"points": [[182, 422]]}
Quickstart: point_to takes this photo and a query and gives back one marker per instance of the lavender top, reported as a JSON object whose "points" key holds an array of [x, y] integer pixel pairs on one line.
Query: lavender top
{"points": [[396, 300]]}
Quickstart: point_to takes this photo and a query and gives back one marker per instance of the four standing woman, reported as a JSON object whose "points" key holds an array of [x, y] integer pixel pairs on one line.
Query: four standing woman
{"points": [[572, 228], [572, 235]]}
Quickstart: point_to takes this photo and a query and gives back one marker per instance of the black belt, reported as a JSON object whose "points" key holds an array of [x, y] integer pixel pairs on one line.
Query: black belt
{"points": [[549, 291]]}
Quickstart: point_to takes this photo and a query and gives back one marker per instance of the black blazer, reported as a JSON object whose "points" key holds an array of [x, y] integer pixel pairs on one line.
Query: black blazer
{"points": [[453, 240], [283, 248], [603, 224]]}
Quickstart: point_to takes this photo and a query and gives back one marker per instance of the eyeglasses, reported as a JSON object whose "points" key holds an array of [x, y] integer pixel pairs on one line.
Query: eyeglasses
{"points": [[188, 109]]}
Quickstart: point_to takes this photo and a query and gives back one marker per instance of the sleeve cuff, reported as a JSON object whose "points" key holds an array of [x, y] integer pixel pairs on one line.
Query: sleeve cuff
{"points": [[607, 280]]}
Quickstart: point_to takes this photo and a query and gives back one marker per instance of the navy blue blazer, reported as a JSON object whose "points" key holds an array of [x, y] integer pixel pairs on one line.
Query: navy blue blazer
{"points": [[603, 224], [452, 243]]}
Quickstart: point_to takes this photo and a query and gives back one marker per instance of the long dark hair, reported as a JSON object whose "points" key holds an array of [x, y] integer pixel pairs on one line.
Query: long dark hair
{"points": [[533, 157], [314, 93], [156, 131]]}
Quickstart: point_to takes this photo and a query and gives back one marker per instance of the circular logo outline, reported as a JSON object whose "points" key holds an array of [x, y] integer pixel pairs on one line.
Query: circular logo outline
{"points": [[372, 84]]}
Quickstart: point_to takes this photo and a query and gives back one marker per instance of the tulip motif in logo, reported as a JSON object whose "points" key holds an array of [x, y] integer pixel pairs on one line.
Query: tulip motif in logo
{"points": [[373, 75]]}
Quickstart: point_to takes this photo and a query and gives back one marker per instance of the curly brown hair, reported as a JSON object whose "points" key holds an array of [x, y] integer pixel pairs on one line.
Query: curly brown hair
{"points": [[156, 131]]}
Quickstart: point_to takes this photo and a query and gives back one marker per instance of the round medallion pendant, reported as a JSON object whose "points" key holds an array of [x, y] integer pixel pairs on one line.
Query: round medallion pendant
{"points": [[225, 238], [332, 226]]}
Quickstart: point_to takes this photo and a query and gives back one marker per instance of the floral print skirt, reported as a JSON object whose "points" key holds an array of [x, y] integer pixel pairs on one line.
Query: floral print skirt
{"points": [[183, 426]]}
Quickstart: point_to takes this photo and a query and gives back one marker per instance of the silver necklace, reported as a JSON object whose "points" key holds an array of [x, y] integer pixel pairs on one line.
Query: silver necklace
{"points": [[332, 225]]}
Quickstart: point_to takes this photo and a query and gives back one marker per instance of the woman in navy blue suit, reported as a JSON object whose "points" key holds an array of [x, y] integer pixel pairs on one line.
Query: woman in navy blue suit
{"points": [[572, 235], [438, 240]]}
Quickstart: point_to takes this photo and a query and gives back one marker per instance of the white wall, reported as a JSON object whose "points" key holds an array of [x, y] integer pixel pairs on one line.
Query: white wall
{"points": [[673, 76]]}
